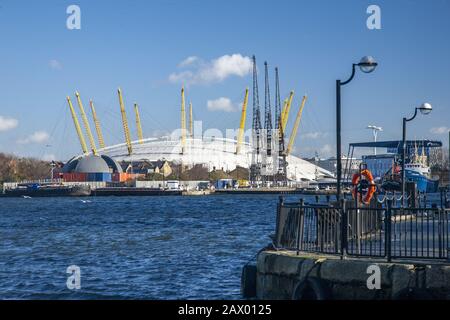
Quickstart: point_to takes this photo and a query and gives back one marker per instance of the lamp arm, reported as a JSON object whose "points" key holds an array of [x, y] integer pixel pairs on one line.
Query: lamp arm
{"points": [[351, 77], [412, 118]]}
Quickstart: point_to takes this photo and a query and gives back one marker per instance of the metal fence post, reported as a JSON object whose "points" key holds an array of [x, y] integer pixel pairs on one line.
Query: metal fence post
{"points": [[440, 233], [387, 231], [277, 223], [299, 224], [343, 229], [446, 201]]}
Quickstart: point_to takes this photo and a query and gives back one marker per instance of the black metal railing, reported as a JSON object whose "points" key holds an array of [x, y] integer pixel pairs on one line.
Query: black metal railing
{"points": [[391, 233], [366, 232], [310, 228], [419, 233]]}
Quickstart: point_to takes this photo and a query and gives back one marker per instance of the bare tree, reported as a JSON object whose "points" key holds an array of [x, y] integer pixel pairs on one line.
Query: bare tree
{"points": [[17, 169]]}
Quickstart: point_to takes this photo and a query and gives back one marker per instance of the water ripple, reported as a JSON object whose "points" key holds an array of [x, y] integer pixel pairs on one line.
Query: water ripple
{"points": [[131, 248]]}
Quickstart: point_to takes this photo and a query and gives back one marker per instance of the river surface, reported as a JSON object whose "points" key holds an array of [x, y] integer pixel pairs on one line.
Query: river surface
{"points": [[133, 247]]}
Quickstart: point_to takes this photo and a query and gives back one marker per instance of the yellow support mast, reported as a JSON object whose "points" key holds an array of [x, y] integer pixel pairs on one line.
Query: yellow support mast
{"points": [[283, 111], [98, 129], [77, 126], [242, 124], [183, 121], [296, 125], [191, 120], [86, 124], [125, 123], [287, 110], [138, 124]]}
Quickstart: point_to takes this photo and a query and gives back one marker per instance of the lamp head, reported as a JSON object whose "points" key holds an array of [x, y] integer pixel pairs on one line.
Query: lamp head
{"points": [[376, 128], [425, 108], [367, 64]]}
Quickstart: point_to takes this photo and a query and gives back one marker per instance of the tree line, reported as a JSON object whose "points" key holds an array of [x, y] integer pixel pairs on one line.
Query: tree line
{"points": [[13, 168]]}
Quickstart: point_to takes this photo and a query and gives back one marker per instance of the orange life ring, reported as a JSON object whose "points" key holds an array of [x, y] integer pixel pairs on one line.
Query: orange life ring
{"points": [[357, 177]]}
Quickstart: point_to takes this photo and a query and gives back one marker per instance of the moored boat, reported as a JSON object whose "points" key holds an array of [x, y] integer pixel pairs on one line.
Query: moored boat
{"points": [[47, 190]]}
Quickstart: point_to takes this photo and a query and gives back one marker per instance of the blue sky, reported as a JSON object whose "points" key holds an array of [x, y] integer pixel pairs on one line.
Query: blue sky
{"points": [[138, 45]]}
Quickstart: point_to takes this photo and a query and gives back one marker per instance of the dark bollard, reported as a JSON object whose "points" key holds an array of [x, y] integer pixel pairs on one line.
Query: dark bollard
{"points": [[317, 199], [328, 198]]}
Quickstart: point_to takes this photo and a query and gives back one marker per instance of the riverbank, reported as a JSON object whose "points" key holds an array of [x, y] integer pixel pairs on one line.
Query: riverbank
{"points": [[98, 190], [286, 275]]}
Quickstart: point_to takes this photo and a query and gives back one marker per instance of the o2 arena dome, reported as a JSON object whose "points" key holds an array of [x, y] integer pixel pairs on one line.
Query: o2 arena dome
{"points": [[92, 164], [188, 150], [211, 152]]}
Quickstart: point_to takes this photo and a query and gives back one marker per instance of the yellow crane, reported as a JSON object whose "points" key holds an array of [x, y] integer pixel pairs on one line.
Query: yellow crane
{"points": [[296, 125], [98, 129], [287, 110], [242, 124], [77, 126], [125, 123], [183, 122], [138, 124], [86, 124], [282, 114], [191, 120]]}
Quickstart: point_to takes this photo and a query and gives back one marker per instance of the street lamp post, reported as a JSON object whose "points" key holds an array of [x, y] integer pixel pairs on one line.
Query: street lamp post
{"points": [[375, 130], [424, 109], [366, 65]]}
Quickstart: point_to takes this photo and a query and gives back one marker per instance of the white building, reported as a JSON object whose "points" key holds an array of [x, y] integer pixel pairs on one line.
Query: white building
{"points": [[330, 164], [218, 153]]}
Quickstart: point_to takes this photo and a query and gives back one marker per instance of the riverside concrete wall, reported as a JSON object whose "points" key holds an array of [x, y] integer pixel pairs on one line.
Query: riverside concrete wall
{"points": [[92, 184], [278, 274], [185, 185]]}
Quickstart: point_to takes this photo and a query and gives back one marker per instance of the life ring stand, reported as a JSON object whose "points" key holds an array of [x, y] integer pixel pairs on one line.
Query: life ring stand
{"points": [[364, 177]]}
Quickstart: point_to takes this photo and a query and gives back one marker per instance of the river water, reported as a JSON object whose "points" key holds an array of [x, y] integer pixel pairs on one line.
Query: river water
{"points": [[133, 247]]}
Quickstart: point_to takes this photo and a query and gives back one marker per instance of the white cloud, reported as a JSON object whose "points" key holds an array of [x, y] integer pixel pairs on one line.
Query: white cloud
{"points": [[215, 70], [188, 61], [55, 64], [439, 130], [181, 77], [220, 104], [314, 135], [37, 137], [7, 123], [326, 151]]}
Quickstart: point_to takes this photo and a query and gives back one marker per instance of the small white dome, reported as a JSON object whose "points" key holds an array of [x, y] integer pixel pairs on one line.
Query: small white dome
{"points": [[92, 164]]}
